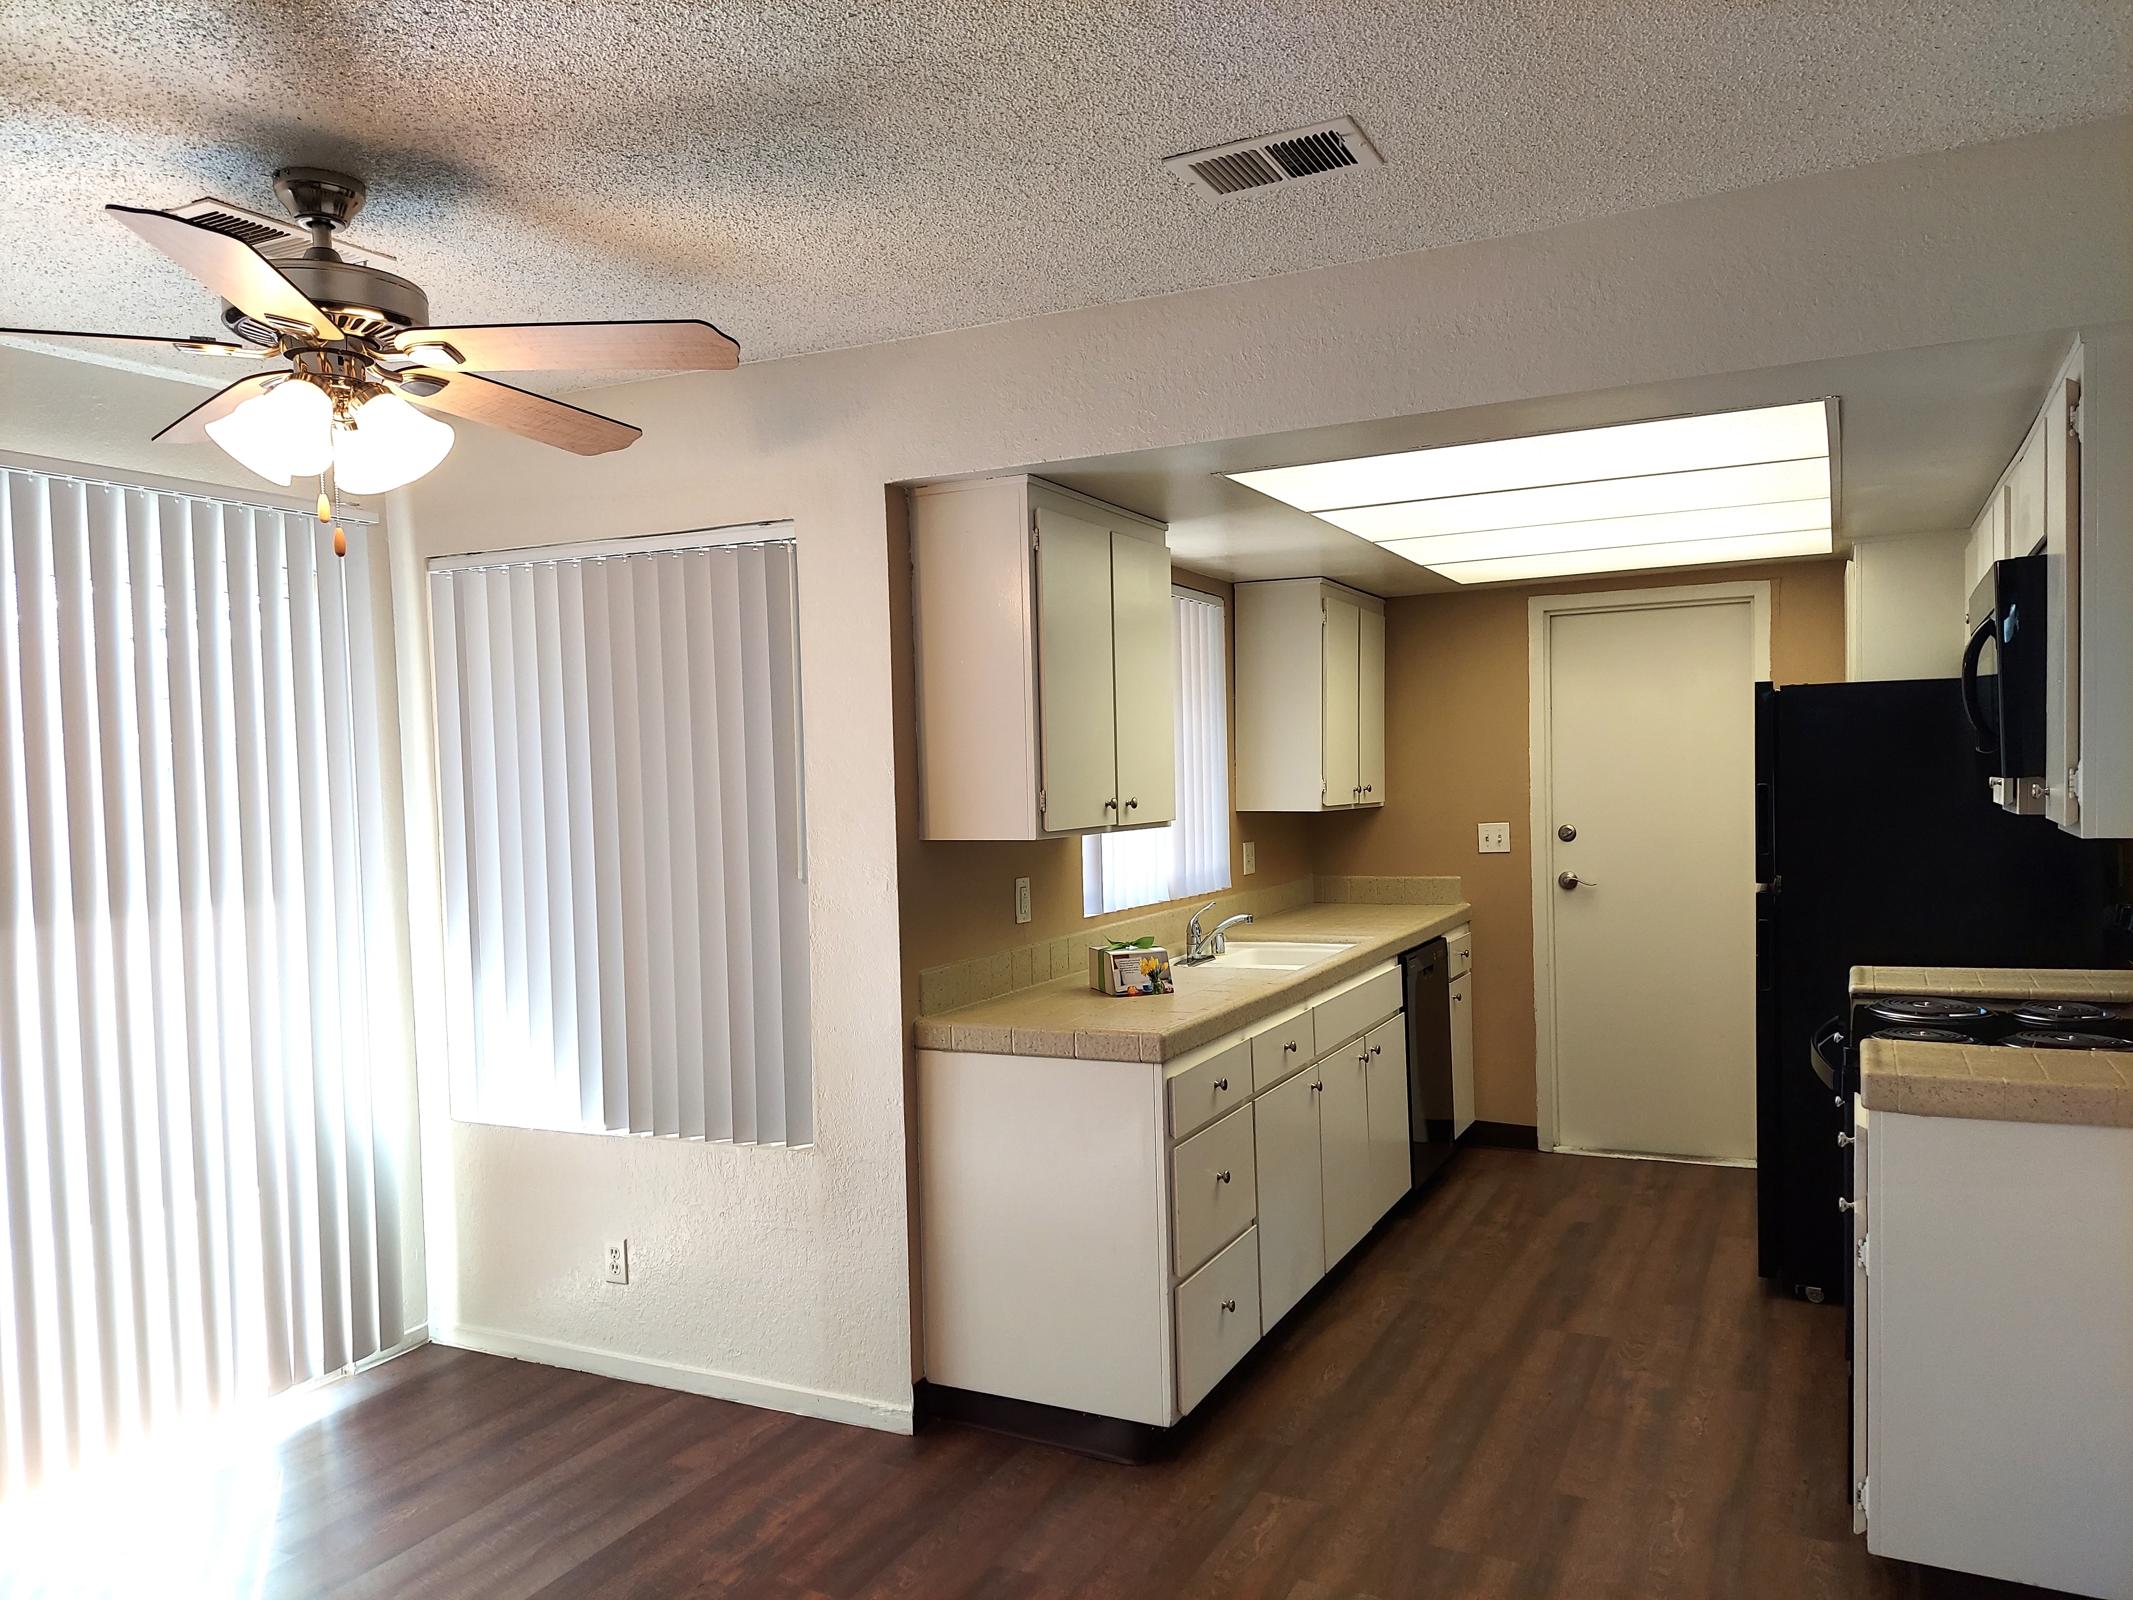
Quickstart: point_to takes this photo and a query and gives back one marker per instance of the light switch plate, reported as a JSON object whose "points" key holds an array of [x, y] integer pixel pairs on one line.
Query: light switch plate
{"points": [[1022, 899], [1251, 858], [1495, 838]]}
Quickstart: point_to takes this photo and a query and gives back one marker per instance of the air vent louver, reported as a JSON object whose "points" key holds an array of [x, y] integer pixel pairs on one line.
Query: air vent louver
{"points": [[1277, 158], [271, 236]]}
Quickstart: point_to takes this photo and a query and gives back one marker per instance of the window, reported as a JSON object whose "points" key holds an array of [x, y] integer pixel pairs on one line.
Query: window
{"points": [[1190, 855], [201, 991], [618, 741]]}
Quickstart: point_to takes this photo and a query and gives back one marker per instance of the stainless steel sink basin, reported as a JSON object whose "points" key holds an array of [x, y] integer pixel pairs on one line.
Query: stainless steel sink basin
{"points": [[1274, 955]]}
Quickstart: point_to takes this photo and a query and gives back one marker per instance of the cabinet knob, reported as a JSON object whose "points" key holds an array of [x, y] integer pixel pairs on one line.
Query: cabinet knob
{"points": [[1318, 1088], [1369, 789], [1377, 1049], [1111, 804], [1289, 1049], [1221, 1086], [1229, 1305], [1847, 1205], [1845, 1141], [1222, 1176], [1133, 802]]}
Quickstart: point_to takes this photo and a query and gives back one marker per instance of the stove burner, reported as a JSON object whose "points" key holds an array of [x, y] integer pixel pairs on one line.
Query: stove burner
{"points": [[1922, 1035], [2059, 1014], [1927, 1010], [2060, 1039]]}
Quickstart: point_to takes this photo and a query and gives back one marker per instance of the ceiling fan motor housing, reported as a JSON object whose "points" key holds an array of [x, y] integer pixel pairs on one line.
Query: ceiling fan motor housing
{"points": [[367, 302]]}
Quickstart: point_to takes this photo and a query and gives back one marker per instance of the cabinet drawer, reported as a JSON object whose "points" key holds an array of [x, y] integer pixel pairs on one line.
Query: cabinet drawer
{"points": [[1200, 1094], [1458, 951], [1214, 1189], [1281, 1047], [1218, 1319], [1341, 1017]]}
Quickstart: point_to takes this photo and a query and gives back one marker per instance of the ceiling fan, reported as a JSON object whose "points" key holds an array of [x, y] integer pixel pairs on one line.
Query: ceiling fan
{"points": [[358, 349]]}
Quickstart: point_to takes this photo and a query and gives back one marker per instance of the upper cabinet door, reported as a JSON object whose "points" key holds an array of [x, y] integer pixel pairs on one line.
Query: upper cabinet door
{"points": [[1370, 707], [1144, 692], [1342, 762], [2026, 495], [1075, 671]]}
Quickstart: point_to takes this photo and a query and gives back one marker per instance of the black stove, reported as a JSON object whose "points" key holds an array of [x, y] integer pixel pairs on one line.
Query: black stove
{"points": [[2063, 1039]]}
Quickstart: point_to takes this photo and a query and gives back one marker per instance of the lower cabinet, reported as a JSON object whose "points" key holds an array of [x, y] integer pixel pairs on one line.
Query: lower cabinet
{"points": [[1334, 1149], [1344, 1150], [1292, 1205], [1109, 1238], [1217, 1317]]}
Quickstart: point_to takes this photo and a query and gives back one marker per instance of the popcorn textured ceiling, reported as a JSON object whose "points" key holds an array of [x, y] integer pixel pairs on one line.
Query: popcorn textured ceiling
{"points": [[819, 173]]}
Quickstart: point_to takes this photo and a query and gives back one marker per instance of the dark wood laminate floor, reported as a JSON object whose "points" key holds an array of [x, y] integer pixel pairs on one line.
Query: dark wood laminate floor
{"points": [[1555, 1376]]}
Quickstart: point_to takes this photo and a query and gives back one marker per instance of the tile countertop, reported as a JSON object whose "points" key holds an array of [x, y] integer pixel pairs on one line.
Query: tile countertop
{"points": [[2093, 1088], [1067, 1018], [1996, 983]]}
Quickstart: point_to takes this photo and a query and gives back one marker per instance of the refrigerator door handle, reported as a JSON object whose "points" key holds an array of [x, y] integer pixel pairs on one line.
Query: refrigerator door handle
{"points": [[1985, 735]]}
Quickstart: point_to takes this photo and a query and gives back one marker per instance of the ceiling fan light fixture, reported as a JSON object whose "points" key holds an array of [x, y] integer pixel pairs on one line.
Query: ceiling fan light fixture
{"points": [[282, 434], [387, 444]]}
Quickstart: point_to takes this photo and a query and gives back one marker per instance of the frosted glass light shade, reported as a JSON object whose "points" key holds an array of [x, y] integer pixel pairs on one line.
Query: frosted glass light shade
{"points": [[388, 443], [282, 434]]}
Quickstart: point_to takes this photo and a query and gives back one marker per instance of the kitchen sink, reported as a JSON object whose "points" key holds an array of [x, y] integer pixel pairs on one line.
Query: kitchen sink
{"points": [[1273, 955]]}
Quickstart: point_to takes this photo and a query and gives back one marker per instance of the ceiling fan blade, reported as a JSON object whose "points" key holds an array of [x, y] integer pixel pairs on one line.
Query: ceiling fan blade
{"points": [[233, 269], [206, 347], [683, 346], [192, 427], [533, 416]]}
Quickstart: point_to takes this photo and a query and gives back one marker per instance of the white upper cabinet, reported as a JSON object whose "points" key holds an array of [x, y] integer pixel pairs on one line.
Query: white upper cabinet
{"points": [[1043, 656], [1310, 697], [1144, 690]]}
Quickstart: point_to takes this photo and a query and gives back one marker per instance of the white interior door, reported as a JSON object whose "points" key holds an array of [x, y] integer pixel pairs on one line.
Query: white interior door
{"points": [[1342, 751], [1146, 687], [1074, 671], [1650, 957]]}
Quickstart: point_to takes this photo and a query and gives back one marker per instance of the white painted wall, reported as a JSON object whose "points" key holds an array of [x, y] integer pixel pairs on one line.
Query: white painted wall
{"points": [[785, 1276], [1903, 607]]}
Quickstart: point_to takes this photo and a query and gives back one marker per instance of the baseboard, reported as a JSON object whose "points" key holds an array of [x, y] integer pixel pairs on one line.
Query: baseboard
{"points": [[794, 1398], [1501, 1136]]}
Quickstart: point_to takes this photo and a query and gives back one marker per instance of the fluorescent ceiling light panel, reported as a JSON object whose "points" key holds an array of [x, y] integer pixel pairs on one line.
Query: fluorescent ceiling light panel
{"points": [[1633, 558], [1578, 502], [1630, 450], [1733, 486], [1611, 533]]}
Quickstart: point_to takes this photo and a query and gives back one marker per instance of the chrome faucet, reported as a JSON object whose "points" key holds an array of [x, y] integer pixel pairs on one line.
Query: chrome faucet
{"points": [[1201, 947]]}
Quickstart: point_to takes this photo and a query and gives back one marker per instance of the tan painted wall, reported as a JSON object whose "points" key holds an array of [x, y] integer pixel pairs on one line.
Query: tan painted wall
{"points": [[958, 897], [1456, 755]]}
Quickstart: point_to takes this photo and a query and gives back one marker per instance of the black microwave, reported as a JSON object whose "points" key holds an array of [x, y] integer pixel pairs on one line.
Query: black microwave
{"points": [[2003, 679]]}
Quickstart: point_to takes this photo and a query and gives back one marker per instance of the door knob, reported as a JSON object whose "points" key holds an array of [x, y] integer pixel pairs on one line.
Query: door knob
{"points": [[1570, 880]]}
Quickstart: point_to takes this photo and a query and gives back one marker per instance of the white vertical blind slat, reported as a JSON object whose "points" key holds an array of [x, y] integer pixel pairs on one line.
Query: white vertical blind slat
{"points": [[664, 743], [189, 1195]]}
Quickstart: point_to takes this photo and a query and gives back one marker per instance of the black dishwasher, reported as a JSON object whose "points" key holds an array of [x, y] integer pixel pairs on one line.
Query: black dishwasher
{"points": [[1426, 982]]}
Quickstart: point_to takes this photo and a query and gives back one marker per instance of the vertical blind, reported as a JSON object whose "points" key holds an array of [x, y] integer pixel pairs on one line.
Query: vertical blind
{"points": [[625, 896], [196, 1205], [1190, 855]]}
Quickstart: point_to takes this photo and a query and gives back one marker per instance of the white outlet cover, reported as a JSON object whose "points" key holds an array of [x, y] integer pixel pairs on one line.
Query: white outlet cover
{"points": [[1251, 858], [1495, 838], [618, 1261]]}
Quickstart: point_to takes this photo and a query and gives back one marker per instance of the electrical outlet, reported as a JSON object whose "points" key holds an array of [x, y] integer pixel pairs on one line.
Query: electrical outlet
{"points": [[618, 1261], [1495, 838], [1251, 858], [1022, 899]]}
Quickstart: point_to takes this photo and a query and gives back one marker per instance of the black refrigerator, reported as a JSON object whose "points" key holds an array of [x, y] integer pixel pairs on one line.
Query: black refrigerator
{"points": [[1877, 843]]}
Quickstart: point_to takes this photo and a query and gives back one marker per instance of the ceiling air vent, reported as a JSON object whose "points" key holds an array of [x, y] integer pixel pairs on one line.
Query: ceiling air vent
{"points": [[270, 236], [1276, 158]]}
